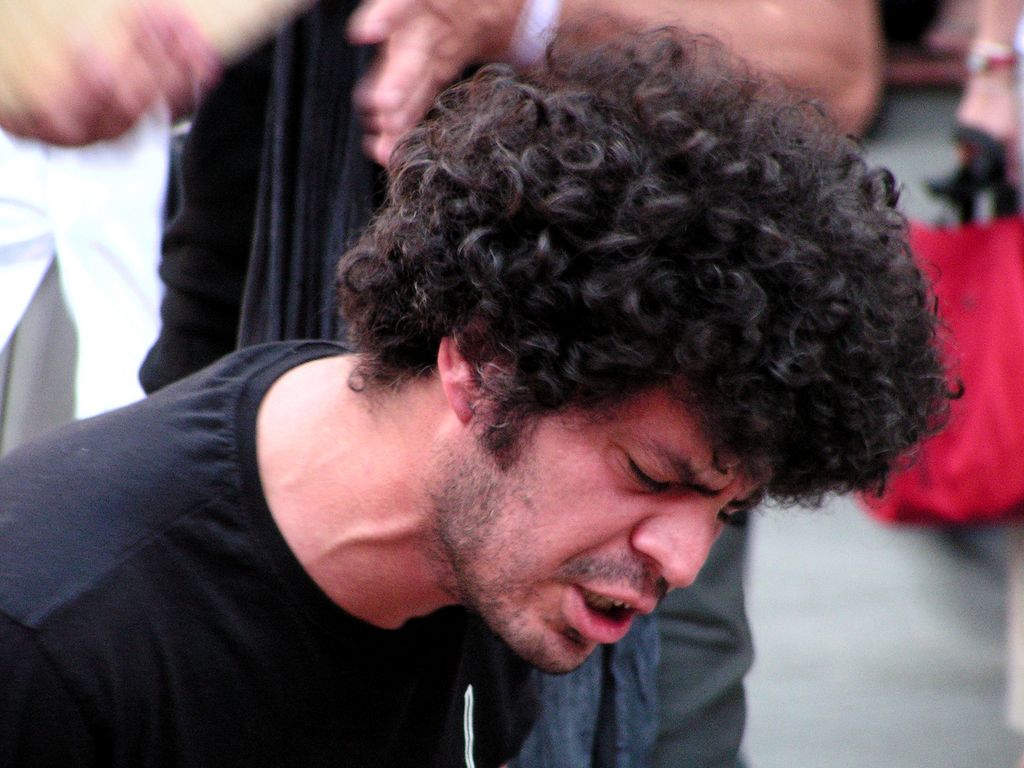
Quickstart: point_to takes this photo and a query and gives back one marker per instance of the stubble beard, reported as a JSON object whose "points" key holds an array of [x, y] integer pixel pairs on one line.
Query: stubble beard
{"points": [[482, 558]]}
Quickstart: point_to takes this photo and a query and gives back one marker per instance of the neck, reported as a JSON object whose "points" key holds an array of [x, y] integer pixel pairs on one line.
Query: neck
{"points": [[345, 475]]}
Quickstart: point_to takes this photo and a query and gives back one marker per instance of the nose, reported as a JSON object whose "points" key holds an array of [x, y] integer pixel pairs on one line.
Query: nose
{"points": [[678, 542]]}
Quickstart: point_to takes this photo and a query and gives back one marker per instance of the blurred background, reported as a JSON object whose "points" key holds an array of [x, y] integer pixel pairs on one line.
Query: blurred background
{"points": [[876, 646]]}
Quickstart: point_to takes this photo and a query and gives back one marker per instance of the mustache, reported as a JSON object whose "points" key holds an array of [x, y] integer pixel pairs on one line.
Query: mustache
{"points": [[618, 570]]}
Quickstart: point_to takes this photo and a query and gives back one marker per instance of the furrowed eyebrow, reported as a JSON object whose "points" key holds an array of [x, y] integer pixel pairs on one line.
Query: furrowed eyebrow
{"points": [[686, 473], [688, 477]]}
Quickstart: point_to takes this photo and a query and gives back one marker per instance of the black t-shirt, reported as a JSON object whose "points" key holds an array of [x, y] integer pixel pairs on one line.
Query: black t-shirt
{"points": [[151, 614]]}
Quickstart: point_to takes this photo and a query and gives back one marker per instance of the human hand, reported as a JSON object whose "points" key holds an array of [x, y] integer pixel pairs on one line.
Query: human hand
{"points": [[423, 46], [164, 58]]}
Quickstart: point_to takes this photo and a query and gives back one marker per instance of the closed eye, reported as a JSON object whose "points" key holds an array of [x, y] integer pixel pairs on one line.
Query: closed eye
{"points": [[655, 486]]}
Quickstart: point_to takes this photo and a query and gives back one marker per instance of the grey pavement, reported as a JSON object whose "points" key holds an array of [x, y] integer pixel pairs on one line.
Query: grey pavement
{"points": [[879, 647]]}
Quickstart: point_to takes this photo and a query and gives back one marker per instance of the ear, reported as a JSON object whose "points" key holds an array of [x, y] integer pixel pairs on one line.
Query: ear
{"points": [[458, 380]]}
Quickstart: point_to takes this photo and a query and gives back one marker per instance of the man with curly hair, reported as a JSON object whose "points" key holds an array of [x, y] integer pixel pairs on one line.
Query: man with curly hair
{"points": [[608, 304]]}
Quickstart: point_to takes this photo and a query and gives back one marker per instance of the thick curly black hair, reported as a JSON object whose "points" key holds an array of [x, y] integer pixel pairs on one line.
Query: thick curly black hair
{"points": [[648, 213]]}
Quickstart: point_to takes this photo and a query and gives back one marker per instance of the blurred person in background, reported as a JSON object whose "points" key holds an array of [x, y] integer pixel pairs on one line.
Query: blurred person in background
{"points": [[81, 225], [991, 103]]}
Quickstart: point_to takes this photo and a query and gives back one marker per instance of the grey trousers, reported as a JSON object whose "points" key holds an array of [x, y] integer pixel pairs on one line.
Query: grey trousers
{"points": [[37, 369], [706, 651]]}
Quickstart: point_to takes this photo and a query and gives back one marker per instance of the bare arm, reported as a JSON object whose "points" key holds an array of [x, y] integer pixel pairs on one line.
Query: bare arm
{"points": [[997, 20], [831, 48]]}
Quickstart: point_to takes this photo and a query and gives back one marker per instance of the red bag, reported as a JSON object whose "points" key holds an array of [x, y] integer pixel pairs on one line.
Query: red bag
{"points": [[973, 471]]}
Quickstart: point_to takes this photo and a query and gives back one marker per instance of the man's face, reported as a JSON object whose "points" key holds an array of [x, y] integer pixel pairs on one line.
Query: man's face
{"points": [[595, 521]]}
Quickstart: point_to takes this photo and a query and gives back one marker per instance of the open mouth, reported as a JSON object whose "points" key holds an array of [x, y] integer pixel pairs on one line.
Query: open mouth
{"points": [[599, 618], [615, 610]]}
